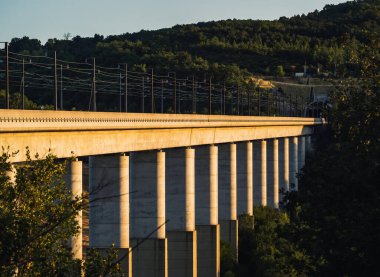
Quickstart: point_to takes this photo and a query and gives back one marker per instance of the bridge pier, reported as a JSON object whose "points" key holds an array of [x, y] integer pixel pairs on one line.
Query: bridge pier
{"points": [[293, 163], [227, 196], [109, 206], [180, 211], [74, 183], [272, 174], [148, 232], [206, 211], [245, 178], [284, 164], [308, 145], [260, 173], [301, 152]]}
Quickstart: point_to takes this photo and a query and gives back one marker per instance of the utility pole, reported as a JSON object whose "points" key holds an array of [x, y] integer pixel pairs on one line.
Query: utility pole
{"points": [[120, 92], [238, 100], [23, 83], [152, 92], [61, 91], [162, 96], [6, 75], [55, 82], [259, 102], [194, 100], [94, 86], [175, 92], [209, 98], [142, 95], [224, 98], [126, 88]]}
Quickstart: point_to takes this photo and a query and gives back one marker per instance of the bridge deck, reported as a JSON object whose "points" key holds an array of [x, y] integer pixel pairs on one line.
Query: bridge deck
{"points": [[96, 133]]}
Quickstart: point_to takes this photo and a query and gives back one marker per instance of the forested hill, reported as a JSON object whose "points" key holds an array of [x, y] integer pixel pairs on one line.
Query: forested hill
{"points": [[330, 40]]}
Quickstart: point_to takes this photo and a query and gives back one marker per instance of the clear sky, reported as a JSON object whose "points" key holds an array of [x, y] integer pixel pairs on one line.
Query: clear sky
{"points": [[45, 19]]}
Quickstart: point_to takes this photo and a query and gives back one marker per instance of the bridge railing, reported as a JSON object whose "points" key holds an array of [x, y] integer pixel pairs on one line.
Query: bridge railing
{"points": [[43, 82]]}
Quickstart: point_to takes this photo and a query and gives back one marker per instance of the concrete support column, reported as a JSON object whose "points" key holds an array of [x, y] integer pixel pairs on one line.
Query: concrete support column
{"points": [[227, 196], [272, 174], [109, 205], [245, 178], [260, 173], [284, 163], [74, 183], [293, 163], [148, 232], [206, 207], [180, 203], [301, 152], [308, 146]]}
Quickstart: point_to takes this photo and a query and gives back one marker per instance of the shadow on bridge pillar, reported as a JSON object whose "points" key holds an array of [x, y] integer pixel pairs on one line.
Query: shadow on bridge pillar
{"points": [[150, 256], [206, 211], [272, 173], [227, 196], [109, 206], [260, 173], [180, 212]]}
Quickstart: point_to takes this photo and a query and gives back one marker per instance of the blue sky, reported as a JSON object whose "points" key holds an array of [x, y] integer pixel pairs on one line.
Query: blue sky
{"points": [[45, 19]]}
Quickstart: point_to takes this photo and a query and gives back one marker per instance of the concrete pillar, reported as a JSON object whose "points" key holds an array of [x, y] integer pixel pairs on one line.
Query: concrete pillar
{"points": [[272, 174], [308, 146], [245, 178], [148, 232], [180, 204], [293, 163], [301, 152], [206, 211], [284, 164], [227, 196], [74, 183], [109, 205], [260, 173]]}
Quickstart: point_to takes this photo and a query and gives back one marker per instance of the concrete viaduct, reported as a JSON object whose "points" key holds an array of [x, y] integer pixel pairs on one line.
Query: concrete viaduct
{"points": [[190, 177]]}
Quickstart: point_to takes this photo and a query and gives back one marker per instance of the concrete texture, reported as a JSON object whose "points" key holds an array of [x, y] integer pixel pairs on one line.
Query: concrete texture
{"points": [[87, 133], [182, 253], [208, 250], [293, 163], [244, 178], [180, 189], [284, 163], [73, 181], [301, 152], [206, 185], [227, 182], [260, 173], [272, 174], [150, 257], [148, 194], [109, 201], [229, 233]]}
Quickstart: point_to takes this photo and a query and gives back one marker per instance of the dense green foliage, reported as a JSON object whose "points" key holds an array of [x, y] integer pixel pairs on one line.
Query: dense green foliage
{"points": [[336, 211], [329, 39], [37, 218], [330, 226]]}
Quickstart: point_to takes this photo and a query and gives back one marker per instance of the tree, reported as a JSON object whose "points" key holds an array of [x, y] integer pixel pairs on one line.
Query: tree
{"points": [[37, 218], [280, 72], [336, 210]]}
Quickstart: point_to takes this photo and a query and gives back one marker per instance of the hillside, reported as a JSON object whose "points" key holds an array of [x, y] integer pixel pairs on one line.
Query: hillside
{"points": [[329, 39], [329, 42]]}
